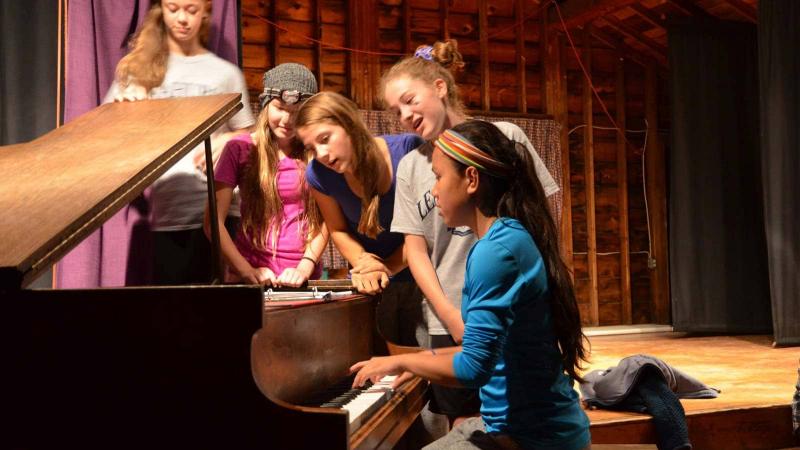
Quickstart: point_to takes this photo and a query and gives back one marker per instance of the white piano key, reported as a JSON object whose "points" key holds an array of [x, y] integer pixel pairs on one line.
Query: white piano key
{"points": [[370, 400]]}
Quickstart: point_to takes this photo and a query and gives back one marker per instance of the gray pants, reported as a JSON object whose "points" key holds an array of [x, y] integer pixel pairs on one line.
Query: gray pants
{"points": [[469, 435]]}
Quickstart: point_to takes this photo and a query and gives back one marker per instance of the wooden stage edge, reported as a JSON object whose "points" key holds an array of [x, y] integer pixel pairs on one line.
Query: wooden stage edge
{"points": [[753, 410]]}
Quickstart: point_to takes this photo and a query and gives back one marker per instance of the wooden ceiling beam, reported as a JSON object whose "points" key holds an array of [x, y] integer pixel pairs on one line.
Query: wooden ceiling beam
{"points": [[626, 50], [649, 16], [744, 9], [578, 13], [656, 50], [690, 9]]}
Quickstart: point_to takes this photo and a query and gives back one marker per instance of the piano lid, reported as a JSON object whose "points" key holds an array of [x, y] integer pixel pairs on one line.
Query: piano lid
{"points": [[57, 189]]}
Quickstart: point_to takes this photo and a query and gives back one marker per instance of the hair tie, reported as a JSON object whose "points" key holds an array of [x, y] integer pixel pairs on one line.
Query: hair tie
{"points": [[425, 52], [462, 150]]}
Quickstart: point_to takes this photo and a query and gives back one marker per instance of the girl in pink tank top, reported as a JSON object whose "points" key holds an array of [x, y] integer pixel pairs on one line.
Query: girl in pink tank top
{"points": [[281, 236]]}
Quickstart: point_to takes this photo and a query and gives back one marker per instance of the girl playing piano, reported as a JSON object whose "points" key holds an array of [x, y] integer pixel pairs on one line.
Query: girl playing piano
{"points": [[280, 238], [352, 178], [522, 343]]}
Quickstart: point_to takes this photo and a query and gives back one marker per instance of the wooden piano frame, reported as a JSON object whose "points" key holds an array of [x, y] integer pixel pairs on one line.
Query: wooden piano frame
{"points": [[321, 342], [153, 367]]}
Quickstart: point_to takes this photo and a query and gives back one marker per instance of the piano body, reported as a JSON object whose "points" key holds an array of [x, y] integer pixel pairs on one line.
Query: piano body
{"points": [[153, 367], [298, 351]]}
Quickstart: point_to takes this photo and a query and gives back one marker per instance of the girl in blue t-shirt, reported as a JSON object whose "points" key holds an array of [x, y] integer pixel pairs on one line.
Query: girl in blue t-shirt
{"points": [[352, 178], [522, 343]]}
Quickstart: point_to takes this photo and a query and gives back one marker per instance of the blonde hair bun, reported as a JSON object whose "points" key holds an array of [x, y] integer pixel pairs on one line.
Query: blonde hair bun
{"points": [[446, 53]]}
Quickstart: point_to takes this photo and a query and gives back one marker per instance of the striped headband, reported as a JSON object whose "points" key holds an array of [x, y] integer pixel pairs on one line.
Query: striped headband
{"points": [[462, 150]]}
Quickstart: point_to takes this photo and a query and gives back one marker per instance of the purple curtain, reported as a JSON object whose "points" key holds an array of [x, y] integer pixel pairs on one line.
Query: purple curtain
{"points": [[118, 254], [224, 37]]}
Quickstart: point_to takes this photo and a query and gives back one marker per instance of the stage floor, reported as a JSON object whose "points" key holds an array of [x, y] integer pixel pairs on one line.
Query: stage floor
{"points": [[756, 381]]}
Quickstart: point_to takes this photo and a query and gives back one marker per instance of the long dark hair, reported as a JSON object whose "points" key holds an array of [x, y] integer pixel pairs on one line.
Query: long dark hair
{"points": [[521, 196]]}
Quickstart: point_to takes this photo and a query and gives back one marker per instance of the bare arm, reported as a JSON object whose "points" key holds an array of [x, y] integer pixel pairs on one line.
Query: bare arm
{"points": [[349, 247], [296, 276], [425, 275], [224, 195], [393, 264], [317, 244], [397, 261]]}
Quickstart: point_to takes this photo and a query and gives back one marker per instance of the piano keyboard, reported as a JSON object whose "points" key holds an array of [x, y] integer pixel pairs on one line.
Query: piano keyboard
{"points": [[360, 403], [368, 401]]}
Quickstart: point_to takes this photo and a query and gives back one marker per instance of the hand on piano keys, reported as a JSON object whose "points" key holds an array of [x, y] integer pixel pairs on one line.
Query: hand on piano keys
{"points": [[360, 402], [377, 368]]}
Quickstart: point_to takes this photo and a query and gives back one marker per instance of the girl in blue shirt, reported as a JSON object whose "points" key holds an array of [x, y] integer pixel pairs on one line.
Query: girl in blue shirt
{"points": [[522, 343], [352, 179]]}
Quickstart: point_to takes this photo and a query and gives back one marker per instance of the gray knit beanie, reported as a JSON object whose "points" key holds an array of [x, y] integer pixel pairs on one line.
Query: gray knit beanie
{"points": [[287, 77]]}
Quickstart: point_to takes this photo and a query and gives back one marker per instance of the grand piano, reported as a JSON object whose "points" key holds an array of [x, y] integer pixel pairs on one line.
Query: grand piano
{"points": [[149, 367]]}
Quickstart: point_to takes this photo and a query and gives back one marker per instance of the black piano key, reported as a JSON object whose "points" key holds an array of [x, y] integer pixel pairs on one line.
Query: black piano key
{"points": [[325, 394], [336, 395]]}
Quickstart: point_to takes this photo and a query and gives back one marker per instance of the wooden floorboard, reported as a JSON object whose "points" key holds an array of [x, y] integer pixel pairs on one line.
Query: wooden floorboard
{"points": [[756, 381]]}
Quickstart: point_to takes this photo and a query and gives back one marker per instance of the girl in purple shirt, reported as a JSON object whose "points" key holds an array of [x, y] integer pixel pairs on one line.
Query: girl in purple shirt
{"points": [[281, 235]]}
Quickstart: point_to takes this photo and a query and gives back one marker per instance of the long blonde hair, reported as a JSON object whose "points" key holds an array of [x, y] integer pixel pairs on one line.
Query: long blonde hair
{"points": [[445, 64], [259, 189], [333, 108], [146, 64]]}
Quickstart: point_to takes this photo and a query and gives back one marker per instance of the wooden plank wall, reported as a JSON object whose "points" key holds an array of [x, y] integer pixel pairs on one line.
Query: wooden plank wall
{"points": [[515, 70], [263, 45], [621, 298]]}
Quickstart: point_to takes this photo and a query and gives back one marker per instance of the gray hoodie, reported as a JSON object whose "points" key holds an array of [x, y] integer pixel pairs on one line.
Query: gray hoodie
{"points": [[611, 386]]}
